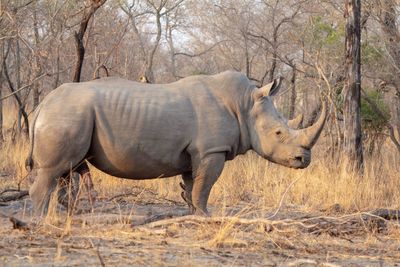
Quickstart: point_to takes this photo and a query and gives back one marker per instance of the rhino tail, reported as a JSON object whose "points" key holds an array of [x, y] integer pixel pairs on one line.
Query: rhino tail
{"points": [[29, 160]]}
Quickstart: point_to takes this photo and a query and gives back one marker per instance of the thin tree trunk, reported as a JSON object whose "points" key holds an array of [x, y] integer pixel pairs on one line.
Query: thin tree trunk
{"points": [[57, 78], [150, 60], [168, 30], [21, 113], [1, 89], [353, 151], [292, 103], [80, 47], [1, 107], [37, 64]]}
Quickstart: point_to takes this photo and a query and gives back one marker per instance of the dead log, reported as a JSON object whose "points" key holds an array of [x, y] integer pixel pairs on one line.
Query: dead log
{"points": [[387, 214]]}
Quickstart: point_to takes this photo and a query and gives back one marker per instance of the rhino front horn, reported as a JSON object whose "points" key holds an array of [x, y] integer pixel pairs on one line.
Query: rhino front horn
{"points": [[309, 136]]}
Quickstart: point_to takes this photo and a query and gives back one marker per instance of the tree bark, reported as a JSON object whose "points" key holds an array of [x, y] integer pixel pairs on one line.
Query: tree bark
{"points": [[80, 47], [1, 89], [37, 65], [292, 103], [21, 112], [353, 151], [150, 60], [1, 107]]}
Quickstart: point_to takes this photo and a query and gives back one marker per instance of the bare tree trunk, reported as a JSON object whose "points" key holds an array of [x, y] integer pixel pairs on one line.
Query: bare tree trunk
{"points": [[21, 112], [292, 103], [150, 60], [38, 68], [2, 54], [352, 91], [57, 78], [169, 37], [80, 47], [1, 107]]}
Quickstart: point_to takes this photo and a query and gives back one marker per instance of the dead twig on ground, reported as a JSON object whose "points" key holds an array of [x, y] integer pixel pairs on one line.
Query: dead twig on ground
{"points": [[101, 259], [123, 195], [145, 190], [18, 195], [18, 224]]}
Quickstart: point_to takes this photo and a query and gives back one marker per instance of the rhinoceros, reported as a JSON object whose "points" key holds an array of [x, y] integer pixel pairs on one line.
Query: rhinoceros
{"points": [[142, 131]]}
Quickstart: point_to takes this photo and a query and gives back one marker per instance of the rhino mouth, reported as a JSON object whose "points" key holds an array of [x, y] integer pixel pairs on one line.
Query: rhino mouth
{"points": [[300, 161]]}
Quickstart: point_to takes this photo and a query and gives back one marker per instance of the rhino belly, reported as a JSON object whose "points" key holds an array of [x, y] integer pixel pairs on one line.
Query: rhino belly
{"points": [[139, 159]]}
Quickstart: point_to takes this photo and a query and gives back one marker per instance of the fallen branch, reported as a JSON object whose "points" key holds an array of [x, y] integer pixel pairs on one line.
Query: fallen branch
{"points": [[334, 226], [193, 219], [123, 195], [148, 191], [386, 214], [18, 195]]}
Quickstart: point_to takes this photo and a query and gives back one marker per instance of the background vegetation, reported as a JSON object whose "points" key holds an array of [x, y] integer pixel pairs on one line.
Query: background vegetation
{"points": [[43, 44]]}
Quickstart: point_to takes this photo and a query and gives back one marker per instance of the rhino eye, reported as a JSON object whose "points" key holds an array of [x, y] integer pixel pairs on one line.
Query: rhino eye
{"points": [[278, 132]]}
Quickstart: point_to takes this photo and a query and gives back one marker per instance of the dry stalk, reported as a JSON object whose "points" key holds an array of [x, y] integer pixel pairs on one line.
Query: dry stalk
{"points": [[283, 197]]}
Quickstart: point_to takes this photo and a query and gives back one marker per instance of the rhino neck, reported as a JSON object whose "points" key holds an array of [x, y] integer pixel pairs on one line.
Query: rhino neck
{"points": [[242, 111]]}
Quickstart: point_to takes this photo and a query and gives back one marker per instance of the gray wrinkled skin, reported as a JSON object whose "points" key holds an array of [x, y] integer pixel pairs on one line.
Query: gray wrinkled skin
{"points": [[141, 131]]}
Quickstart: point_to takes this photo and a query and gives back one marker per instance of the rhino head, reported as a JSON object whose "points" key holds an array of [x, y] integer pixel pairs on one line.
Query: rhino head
{"points": [[273, 138]]}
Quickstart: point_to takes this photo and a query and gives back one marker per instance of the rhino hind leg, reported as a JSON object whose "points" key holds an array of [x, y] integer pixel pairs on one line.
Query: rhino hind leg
{"points": [[57, 151], [84, 172], [42, 188], [206, 173], [70, 187], [187, 187]]}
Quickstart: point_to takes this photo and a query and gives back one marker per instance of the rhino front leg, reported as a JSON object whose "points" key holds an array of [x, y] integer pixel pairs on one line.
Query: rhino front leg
{"points": [[205, 173], [187, 187]]}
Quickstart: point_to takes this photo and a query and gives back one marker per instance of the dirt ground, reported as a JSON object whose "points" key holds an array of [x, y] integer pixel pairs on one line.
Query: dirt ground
{"points": [[141, 229]]}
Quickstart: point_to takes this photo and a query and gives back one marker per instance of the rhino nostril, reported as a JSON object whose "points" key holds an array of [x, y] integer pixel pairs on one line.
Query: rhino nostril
{"points": [[299, 158]]}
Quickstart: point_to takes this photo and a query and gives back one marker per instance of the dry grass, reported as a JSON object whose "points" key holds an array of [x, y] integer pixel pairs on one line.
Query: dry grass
{"points": [[253, 180], [261, 184], [250, 187]]}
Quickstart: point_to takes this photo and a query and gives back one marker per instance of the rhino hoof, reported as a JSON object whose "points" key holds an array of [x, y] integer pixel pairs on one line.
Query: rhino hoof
{"points": [[202, 213]]}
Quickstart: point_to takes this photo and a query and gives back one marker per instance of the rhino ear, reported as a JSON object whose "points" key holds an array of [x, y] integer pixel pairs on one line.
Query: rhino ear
{"points": [[270, 89]]}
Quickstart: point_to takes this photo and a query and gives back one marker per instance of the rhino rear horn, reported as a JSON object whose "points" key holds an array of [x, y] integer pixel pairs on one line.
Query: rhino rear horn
{"points": [[296, 122]]}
